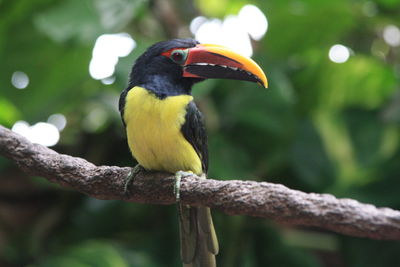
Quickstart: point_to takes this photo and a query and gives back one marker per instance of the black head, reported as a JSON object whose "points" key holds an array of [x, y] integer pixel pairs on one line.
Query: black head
{"points": [[171, 67], [159, 73]]}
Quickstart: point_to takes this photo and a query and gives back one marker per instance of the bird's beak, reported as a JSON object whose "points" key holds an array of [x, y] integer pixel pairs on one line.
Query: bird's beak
{"points": [[215, 61]]}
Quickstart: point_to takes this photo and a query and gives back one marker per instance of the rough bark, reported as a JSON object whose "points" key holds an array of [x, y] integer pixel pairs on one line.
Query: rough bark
{"points": [[233, 197]]}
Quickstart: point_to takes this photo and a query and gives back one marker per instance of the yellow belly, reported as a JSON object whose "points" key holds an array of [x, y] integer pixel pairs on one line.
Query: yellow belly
{"points": [[154, 132]]}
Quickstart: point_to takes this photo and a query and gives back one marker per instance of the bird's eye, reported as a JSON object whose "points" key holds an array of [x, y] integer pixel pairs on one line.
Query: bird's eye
{"points": [[179, 56]]}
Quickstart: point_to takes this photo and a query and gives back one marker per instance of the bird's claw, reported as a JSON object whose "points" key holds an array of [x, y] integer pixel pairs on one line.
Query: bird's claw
{"points": [[132, 174], [177, 187]]}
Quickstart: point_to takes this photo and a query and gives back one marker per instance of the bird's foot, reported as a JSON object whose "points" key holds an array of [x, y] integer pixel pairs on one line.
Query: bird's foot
{"points": [[132, 174], [177, 187]]}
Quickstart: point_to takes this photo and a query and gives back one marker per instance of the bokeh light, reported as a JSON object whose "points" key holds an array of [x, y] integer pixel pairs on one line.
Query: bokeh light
{"points": [[21, 127], [108, 80], [58, 120], [106, 52], [40, 133], [19, 80], [339, 53], [254, 21], [196, 23], [391, 35], [234, 31]]}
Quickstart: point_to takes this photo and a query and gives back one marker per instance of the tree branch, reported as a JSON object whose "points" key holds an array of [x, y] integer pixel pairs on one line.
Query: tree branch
{"points": [[233, 197]]}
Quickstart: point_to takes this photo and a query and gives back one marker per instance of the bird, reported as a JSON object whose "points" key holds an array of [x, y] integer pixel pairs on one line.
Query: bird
{"points": [[166, 131]]}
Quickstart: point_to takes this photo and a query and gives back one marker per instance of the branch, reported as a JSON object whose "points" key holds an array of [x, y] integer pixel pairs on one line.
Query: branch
{"points": [[261, 199]]}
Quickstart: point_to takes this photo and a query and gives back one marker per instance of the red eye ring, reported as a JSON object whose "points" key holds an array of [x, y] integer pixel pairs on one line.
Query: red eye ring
{"points": [[179, 56]]}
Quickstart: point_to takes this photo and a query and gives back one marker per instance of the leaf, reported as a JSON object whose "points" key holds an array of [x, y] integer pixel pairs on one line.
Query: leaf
{"points": [[9, 113], [91, 18], [298, 26], [360, 82]]}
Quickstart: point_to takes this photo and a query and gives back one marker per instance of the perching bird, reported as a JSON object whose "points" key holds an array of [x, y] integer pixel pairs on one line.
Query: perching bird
{"points": [[165, 130]]}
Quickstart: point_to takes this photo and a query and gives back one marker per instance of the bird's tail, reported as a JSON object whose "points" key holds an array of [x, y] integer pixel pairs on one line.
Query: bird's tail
{"points": [[199, 243]]}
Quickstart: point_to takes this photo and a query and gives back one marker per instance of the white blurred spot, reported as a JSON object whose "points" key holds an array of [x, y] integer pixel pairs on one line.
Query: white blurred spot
{"points": [[229, 33], [391, 35], [21, 127], [236, 36], [58, 120], [41, 133], [254, 21], [339, 53], [108, 80], [234, 31], [209, 31], [196, 23], [19, 80], [117, 45], [45, 134], [107, 49], [102, 67]]}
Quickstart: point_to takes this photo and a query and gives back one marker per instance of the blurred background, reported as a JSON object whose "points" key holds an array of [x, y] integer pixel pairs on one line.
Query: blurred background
{"points": [[328, 123]]}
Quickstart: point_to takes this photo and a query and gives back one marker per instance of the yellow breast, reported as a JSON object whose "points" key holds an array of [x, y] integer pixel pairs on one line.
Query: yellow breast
{"points": [[153, 128]]}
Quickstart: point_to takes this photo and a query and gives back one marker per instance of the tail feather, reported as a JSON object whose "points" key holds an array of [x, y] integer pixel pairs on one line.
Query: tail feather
{"points": [[207, 226], [188, 232], [199, 243]]}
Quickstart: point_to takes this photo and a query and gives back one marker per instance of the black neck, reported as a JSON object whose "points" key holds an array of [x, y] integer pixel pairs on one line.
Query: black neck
{"points": [[163, 86]]}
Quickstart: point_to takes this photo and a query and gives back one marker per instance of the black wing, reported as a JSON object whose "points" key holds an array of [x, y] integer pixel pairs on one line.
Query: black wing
{"points": [[122, 102], [195, 132]]}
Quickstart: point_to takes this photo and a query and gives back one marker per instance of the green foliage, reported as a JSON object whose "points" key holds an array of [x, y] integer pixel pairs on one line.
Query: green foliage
{"points": [[96, 253], [9, 112], [321, 127]]}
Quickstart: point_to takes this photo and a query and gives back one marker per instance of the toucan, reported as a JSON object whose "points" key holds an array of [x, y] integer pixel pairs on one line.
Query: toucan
{"points": [[165, 129]]}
